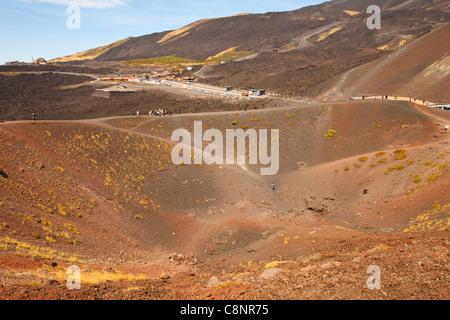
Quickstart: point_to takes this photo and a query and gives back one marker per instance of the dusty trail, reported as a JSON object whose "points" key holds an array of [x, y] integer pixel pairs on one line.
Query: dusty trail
{"points": [[96, 78], [303, 41]]}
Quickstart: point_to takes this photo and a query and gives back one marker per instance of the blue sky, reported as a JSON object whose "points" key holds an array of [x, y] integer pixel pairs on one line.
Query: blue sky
{"points": [[38, 28]]}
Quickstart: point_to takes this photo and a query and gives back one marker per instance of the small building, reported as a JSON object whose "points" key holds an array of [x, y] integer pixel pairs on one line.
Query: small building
{"points": [[166, 73], [189, 79], [40, 61], [161, 71], [119, 79], [107, 79]]}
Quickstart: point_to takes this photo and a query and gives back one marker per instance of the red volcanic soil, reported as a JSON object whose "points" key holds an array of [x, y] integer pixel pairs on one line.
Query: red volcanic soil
{"points": [[103, 195]]}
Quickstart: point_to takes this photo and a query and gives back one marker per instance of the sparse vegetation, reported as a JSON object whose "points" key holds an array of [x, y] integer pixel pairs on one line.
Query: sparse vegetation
{"points": [[434, 219], [172, 61], [164, 61], [433, 177], [330, 134], [399, 167]]}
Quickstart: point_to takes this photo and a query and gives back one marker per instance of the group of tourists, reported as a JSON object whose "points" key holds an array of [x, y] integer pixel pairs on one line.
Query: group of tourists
{"points": [[160, 112]]}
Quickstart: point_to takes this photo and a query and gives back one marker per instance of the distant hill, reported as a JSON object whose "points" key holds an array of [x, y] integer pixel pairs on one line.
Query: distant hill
{"points": [[298, 53], [276, 30], [90, 54]]}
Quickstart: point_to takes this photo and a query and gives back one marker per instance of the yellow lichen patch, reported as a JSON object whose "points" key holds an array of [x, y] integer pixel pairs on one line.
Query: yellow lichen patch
{"points": [[181, 32], [28, 250], [343, 228], [275, 264], [87, 276], [351, 13], [10, 73], [437, 218], [440, 68], [60, 169], [326, 34], [330, 134], [71, 228], [240, 275], [402, 43], [224, 52], [393, 45]]}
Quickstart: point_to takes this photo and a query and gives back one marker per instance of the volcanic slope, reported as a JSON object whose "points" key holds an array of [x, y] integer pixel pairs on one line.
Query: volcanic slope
{"points": [[104, 192], [275, 30], [420, 70]]}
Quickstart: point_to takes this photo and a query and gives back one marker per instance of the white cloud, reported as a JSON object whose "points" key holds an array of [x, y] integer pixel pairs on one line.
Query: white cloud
{"points": [[91, 4]]}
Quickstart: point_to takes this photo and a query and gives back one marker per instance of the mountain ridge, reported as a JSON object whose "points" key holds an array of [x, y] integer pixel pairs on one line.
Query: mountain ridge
{"points": [[268, 31]]}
